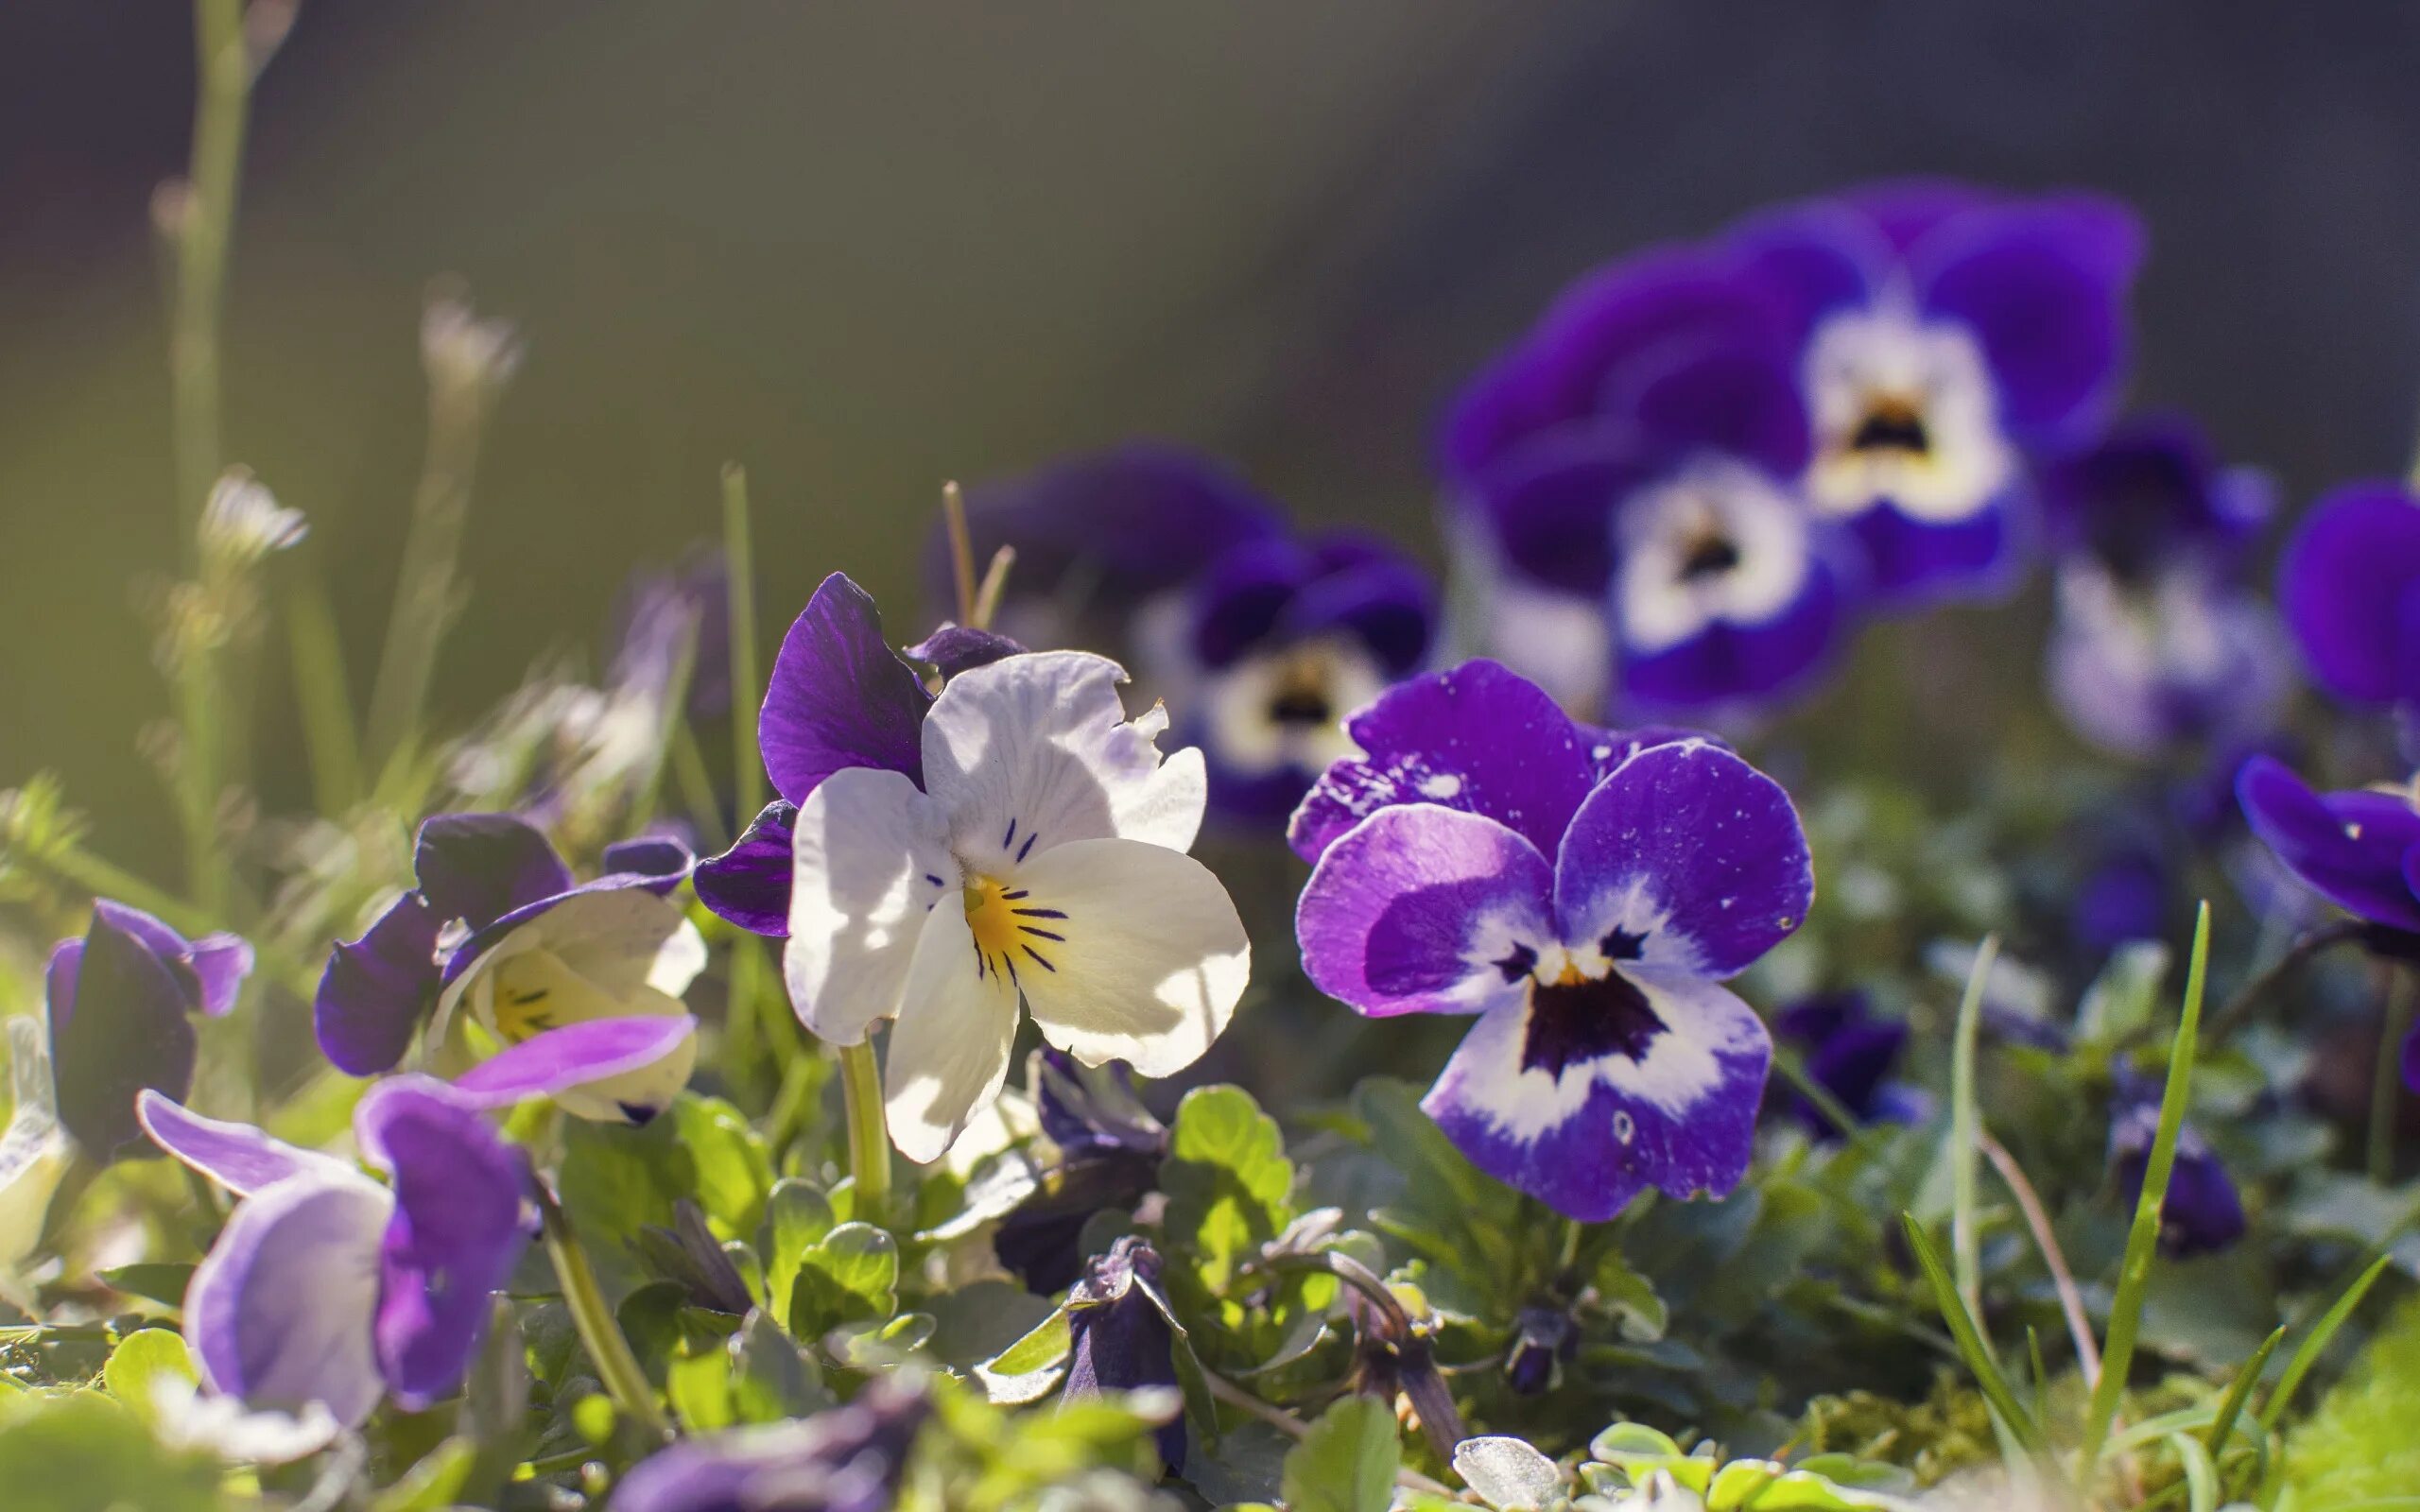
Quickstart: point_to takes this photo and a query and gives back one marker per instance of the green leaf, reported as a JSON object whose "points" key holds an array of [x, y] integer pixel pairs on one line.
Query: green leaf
{"points": [[2314, 1344], [1227, 1180], [697, 1381], [2120, 999], [2240, 1390], [141, 1360], [1966, 1129], [772, 1378], [849, 1276], [618, 1181], [797, 1216], [2142, 1240], [80, 1452], [1452, 1214], [1025, 1370], [156, 1281], [1507, 1473], [880, 1344], [1347, 1461], [434, 1484], [1970, 1338]]}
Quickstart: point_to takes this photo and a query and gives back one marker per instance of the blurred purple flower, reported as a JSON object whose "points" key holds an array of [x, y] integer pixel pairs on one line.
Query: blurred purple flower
{"points": [[120, 1004], [847, 1459], [1606, 1058], [2349, 587], [666, 612], [499, 937], [1849, 1053], [1109, 1151], [2202, 1212], [326, 1287], [2361, 850]]}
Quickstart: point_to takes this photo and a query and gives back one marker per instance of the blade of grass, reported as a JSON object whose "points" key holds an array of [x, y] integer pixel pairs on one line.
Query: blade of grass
{"points": [[2239, 1391], [738, 551], [329, 738], [2315, 1343], [1966, 1131], [1969, 1338], [2142, 1241]]}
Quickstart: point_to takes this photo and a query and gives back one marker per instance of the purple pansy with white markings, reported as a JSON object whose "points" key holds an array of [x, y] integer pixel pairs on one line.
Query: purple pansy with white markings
{"points": [[1272, 645], [1631, 471], [1946, 337], [328, 1288], [2159, 642], [120, 1004], [498, 947], [2349, 587], [1587, 907]]}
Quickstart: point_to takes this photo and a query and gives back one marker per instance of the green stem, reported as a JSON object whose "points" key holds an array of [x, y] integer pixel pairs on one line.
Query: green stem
{"points": [[328, 732], [747, 767], [2387, 1076], [1820, 1097], [617, 1368], [1965, 1134], [868, 1137], [102, 879]]}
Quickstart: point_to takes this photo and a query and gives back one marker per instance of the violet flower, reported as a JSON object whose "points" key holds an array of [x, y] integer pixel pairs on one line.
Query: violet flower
{"points": [[2202, 1212], [497, 947], [2349, 587], [120, 1004], [1272, 645], [1607, 1057], [1631, 473], [846, 1459], [2360, 850], [328, 1288], [1109, 1148], [1120, 1324], [2158, 641], [1947, 335], [1544, 1340], [1850, 1053]]}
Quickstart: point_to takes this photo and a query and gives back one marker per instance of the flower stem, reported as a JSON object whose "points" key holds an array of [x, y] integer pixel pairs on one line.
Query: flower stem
{"points": [[747, 767], [961, 552], [868, 1137], [616, 1368], [2249, 996], [2387, 1076]]}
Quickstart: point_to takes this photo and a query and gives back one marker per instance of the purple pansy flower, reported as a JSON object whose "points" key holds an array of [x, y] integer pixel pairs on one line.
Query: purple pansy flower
{"points": [[847, 1459], [2360, 850], [2202, 1212], [2349, 587], [120, 1004], [1632, 470], [499, 946], [1849, 1051], [1607, 1056], [1109, 1151], [328, 1288], [1946, 336], [1120, 1325], [1269, 648], [2158, 641]]}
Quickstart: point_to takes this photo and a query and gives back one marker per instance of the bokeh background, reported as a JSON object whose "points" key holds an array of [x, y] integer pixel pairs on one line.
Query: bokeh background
{"points": [[863, 249]]}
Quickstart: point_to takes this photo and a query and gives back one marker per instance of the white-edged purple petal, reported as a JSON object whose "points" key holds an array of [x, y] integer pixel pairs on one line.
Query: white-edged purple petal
{"points": [[477, 868], [1585, 1093], [749, 884], [576, 1054], [1479, 738], [460, 1196], [1685, 856], [281, 1312], [118, 1025], [838, 696], [238, 1157], [621, 921], [1423, 909], [376, 989]]}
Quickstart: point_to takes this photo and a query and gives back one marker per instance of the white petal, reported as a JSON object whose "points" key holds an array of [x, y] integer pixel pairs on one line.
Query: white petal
{"points": [[1042, 742], [1152, 960], [867, 863], [282, 1311], [949, 1052], [34, 1153], [619, 941]]}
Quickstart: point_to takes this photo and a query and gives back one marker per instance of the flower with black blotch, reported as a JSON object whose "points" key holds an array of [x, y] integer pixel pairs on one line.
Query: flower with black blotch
{"points": [[1120, 1325], [498, 948], [1272, 645], [120, 1004], [328, 1288], [2158, 642], [1607, 1056], [1946, 337]]}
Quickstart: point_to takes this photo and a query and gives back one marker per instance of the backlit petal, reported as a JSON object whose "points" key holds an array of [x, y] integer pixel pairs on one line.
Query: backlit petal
{"points": [[868, 862], [949, 1052]]}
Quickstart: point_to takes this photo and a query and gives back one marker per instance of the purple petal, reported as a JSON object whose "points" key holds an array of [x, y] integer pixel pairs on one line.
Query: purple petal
{"points": [[118, 1025], [749, 884], [955, 648], [281, 1312], [1732, 663], [1586, 1126], [1386, 602], [845, 1459], [577, 1054], [2348, 847], [840, 696], [1738, 397], [1905, 211], [1551, 510], [478, 866], [1478, 738], [1690, 856], [461, 1193], [1914, 562], [662, 859], [236, 1156], [1243, 596], [2350, 589], [221, 962], [375, 989], [2043, 287], [2151, 489], [1423, 909], [1813, 259]]}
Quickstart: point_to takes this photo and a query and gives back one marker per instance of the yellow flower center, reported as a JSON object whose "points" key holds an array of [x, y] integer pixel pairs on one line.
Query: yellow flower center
{"points": [[1012, 931]]}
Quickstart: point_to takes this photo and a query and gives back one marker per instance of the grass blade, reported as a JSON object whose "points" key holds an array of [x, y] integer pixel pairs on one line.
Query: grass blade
{"points": [[2142, 1241], [739, 569], [2239, 1391], [1966, 1131], [1969, 1338], [2315, 1344]]}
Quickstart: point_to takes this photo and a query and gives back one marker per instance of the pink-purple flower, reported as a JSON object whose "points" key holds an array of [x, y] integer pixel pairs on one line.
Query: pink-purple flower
{"points": [[1584, 896]]}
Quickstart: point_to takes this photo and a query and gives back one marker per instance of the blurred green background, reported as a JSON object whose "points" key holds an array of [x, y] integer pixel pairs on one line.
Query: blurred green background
{"points": [[864, 248]]}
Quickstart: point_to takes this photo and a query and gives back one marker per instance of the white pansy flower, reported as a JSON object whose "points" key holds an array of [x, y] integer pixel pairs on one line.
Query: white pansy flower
{"points": [[34, 1152], [1042, 862]]}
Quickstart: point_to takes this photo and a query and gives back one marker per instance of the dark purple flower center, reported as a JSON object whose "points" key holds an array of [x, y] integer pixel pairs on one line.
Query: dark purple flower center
{"points": [[1301, 697], [1891, 425], [1709, 555], [1578, 1018]]}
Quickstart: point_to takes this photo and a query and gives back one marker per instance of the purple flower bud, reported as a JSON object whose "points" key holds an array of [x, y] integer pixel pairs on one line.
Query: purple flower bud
{"points": [[1122, 1338]]}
